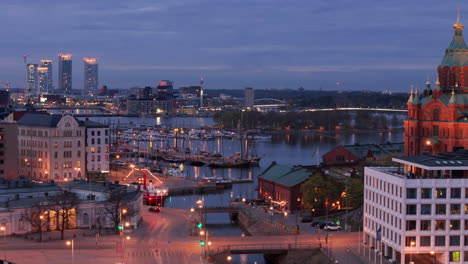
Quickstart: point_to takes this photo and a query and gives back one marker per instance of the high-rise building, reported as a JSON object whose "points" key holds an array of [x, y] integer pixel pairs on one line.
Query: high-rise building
{"points": [[4, 99], [437, 119], [42, 73], [90, 76], [48, 88], [31, 79], [164, 90], [65, 73], [249, 96]]}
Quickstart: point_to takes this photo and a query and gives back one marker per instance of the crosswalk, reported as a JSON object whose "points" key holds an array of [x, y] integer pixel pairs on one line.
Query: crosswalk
{"points": [[156, 252], [161, 256]]}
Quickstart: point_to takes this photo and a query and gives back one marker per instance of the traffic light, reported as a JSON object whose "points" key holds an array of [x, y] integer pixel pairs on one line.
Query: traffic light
{"points": [[119, 227], [202, 243], [200, 225]]}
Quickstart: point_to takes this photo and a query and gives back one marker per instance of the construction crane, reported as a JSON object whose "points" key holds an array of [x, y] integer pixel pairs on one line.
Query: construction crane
{"points": [[25, 58]]}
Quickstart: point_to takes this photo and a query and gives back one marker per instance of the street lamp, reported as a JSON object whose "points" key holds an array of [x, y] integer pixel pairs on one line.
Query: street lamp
{"points": [[411, 255], [42, 231], [229, 258], [3, 229], [72, 244], [433, 256]]}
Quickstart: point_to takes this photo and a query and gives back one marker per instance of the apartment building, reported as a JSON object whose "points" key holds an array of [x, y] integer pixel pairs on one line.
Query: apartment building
{"points": [[97, 150]]}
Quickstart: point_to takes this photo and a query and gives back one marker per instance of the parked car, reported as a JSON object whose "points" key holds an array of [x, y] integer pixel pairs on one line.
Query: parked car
{"points": [[315, 223], [332, 227], [154, 209], [306, 219], [323, 224]]}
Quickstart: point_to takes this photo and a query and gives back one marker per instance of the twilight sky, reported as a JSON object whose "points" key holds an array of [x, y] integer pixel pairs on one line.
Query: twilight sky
{"points": [[364, 44]]}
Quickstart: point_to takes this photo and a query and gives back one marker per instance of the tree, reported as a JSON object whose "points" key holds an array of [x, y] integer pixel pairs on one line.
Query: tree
{"points": [[319, 189], [64, 206], [36, 217], [115, 203], [355, 192]]}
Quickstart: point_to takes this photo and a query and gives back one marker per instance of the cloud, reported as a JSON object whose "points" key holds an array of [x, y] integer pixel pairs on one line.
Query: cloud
{"points": [[349, 68], [166, 67], [121, 11]]}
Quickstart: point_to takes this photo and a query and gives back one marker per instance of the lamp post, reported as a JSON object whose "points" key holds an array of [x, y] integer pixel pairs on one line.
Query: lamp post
{"points": [[122, 212], [72, 244], [433, 256], [411, 254], [42, 232], [3, 229]]}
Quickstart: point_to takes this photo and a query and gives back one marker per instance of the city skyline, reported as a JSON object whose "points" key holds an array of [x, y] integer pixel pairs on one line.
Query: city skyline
{"points": [[314, 45]]}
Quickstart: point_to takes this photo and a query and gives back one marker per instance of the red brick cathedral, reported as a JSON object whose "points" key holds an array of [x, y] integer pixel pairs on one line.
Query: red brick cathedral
{"points": [[438, 118]]}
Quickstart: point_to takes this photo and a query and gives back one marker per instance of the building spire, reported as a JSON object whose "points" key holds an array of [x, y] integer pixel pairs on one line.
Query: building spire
{"points": [[410, 99], [428, 83], [452, 98], [437, 83], [416, 97], [458, 26]]}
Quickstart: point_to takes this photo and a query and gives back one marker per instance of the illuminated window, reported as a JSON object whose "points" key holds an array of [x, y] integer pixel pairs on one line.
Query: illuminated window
{"points": [[454, 256], [92, 150]]}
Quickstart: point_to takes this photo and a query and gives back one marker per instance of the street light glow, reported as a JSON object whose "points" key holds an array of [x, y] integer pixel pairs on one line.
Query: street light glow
{"points": [[68, 243]]}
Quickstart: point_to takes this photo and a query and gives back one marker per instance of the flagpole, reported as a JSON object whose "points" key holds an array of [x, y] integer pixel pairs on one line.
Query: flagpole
{"points": [[381, 252], [359, 240]]}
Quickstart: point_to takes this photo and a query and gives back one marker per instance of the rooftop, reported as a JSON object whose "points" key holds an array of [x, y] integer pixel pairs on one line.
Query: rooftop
{"points": [[285, 175], [93, 186], [444, 161]]}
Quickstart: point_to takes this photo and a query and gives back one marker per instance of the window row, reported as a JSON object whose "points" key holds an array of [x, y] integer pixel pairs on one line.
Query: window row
{"points": [[437, 225], [438, 209], [438, 193], [439, 241], [383, 186]]}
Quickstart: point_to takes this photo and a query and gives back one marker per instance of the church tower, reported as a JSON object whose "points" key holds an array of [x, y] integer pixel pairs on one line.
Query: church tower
{"points": [[438, 118]]}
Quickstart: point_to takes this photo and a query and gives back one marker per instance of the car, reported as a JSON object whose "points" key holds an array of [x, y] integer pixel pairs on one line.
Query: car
{"points": [[154, 209], [332, 227], [323, 224], [315, 223], [306, 219]]}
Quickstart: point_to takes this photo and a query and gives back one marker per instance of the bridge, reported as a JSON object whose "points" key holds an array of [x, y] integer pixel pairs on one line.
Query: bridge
{"points": [[355, 109], [220, 209], [269, 103], [277, 248]]}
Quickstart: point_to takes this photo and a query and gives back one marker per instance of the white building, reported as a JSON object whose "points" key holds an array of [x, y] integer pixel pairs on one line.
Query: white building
{"points": [[18, 199], [419, 210]]}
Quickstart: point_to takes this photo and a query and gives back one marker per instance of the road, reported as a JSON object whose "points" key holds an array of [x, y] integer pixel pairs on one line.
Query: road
{"points": [[161, 238]]}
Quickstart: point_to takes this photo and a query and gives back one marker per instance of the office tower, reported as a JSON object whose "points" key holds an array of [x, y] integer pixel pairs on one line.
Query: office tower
{"points": [[65, 73], [42, 73], [249, 95], [165, 90], [48, 88], [4, 99], [90, 76], [437, 120], [32, 82]]}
